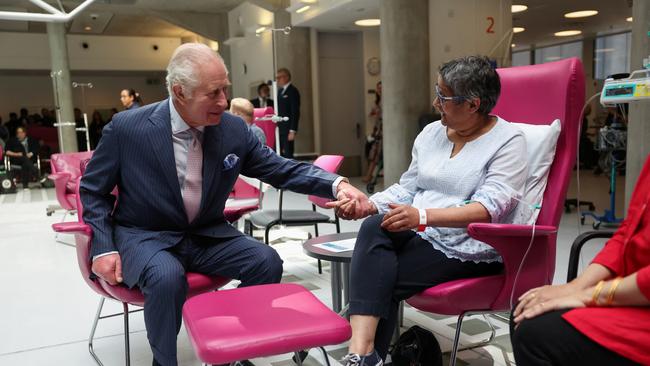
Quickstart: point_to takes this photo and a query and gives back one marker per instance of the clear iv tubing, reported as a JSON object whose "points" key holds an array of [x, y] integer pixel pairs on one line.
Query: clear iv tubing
{"points": [[535, 206]]}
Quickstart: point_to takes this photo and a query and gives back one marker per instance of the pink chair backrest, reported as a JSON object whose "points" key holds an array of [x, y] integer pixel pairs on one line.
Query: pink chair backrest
{"points": [[69, 163], [244, 190], [539, 94], [266, 125], [329, 163]]}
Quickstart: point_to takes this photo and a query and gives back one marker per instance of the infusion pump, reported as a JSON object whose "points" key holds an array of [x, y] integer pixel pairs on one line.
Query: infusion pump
{"points": [[634, 88]]}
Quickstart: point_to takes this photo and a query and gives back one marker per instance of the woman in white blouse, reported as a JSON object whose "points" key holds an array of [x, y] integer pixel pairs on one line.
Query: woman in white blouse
{"points": [[468, 167]]}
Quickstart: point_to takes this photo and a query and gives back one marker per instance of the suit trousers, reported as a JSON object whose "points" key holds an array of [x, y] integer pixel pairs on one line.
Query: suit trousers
{"points": [[27, 169], [286, 146], [164, 285], [550, 340], [388, 267]]}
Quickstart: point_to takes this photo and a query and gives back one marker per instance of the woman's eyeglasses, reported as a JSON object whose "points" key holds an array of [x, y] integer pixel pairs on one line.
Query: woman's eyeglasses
{"points": [[456, 98]]}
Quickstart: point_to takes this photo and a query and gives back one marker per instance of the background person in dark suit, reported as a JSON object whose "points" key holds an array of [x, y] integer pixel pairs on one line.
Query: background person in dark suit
{"points": [[262, 100], [174, 163], [288, 106], [23, 151]]}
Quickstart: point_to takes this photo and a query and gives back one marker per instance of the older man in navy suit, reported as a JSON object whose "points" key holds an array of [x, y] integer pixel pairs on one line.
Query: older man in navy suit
{"points": [[174, 163]]}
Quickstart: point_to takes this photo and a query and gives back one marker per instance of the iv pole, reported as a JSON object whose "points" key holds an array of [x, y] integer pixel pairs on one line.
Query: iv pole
{"points": [[274, 88], [85, 129]]}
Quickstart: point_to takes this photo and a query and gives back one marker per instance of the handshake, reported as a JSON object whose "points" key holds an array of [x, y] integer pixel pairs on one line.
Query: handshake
{"points": [[351, 203]]}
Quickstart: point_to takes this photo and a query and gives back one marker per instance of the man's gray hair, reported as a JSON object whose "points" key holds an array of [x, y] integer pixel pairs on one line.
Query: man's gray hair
{"points": [[473, 77], [184, 66]]}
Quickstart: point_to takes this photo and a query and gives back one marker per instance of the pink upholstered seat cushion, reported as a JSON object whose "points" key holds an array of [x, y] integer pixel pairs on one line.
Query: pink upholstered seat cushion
{"points": [[197, 284], [455, 297], [258, 321]]}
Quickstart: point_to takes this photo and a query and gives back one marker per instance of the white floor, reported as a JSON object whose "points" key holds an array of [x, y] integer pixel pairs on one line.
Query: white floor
{"points": [[46, 309]]}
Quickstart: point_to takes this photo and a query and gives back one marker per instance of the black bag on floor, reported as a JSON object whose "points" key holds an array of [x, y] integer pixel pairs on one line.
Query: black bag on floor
{"points": [[416, 347]]}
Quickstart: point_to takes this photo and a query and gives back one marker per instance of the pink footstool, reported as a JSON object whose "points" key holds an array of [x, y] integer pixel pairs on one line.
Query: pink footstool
{"points": [[258, 321]]}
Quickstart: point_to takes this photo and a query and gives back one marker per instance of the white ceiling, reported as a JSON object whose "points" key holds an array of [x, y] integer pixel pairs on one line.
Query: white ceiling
{"points": [[541, 20], [545, 17], [135, 17]]}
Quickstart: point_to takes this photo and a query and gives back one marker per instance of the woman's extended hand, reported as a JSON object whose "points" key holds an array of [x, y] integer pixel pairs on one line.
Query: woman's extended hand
{"points": [[576, 299], [401, 218], [542, 294]]}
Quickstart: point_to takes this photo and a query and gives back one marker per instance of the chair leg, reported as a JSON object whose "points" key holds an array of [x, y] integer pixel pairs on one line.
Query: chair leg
{"points": [[92, 331], [266, 235], [56, 236], [327, 359], [320, 267], [127, 350], [296, 356], [455, 348]]}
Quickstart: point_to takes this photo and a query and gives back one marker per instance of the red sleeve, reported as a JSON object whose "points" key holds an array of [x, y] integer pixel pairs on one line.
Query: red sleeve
{"points": [[611, 255], [643, 281]]}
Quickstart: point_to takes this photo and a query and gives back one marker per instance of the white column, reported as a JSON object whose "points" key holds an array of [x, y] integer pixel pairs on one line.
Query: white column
{"points": [[62, 86], [404, 42]]}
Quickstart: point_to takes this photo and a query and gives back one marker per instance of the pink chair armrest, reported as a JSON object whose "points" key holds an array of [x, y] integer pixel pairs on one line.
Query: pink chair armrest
{"points": [[511, 241], [485, 231], [61, 180], [72, 228]]}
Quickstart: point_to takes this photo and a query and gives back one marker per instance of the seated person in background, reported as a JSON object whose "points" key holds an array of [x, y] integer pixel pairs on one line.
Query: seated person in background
{"points": [[603, 316], [262, 100], [23, 151], [243, 108], [468, 167]]}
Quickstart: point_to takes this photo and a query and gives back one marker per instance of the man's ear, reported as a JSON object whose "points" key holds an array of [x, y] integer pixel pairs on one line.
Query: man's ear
{"points": [[179, 94]]}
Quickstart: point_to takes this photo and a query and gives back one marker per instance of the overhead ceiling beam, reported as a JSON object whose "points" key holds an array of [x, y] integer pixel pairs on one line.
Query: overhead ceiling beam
{"points": [[54, 16]]}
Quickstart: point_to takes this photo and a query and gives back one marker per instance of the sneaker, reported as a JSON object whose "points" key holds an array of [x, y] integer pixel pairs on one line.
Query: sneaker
{"points": [[354, 359]]}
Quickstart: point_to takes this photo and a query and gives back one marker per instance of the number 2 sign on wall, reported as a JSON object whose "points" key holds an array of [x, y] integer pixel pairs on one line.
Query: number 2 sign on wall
{"points": [[490, 28]]}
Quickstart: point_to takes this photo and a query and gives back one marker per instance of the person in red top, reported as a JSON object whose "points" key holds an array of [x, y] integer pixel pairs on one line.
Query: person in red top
{"points": [[603, 316]]}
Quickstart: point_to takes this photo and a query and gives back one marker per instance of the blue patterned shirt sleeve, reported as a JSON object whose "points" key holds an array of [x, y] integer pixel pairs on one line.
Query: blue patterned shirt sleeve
{"points": [[505, 178]]}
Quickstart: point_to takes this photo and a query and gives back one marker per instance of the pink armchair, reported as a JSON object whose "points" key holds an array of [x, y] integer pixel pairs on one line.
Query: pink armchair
{"points": [[266, 124], [198, 283], [535, 94], [66, 168]]}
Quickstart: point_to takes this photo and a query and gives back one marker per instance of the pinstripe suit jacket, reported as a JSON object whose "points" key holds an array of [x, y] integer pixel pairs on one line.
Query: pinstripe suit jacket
{"points": [[136, 155]]}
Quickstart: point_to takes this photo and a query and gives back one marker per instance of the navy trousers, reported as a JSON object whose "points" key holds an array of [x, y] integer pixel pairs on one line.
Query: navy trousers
{"points": [[164, 285], [388, 267]]}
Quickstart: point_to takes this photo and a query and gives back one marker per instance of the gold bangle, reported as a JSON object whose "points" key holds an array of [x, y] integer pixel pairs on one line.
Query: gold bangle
{"points": [[612, 290], [596, 293]]}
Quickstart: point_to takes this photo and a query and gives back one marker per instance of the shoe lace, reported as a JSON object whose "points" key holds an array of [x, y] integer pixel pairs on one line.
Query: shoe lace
{"points": [[351, 359]]}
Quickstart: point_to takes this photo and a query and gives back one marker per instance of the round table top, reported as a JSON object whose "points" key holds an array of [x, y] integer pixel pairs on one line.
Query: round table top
{"points": [[320, 253]]}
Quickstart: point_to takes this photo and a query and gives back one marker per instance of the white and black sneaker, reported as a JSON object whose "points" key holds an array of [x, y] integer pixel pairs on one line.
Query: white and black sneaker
{"points": [[354, 359]]}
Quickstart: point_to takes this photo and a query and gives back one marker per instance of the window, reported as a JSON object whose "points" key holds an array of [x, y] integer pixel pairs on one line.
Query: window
{"points": [[558, 52], [612, 55], [521, 58]]}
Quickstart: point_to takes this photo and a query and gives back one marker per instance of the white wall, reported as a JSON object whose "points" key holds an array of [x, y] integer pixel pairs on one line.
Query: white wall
{"points": [[30, 51], [34, 90], [251, 57]]}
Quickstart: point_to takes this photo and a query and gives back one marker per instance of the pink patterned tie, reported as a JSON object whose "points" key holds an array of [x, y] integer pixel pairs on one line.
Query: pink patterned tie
{"points": [[193, 176]]}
